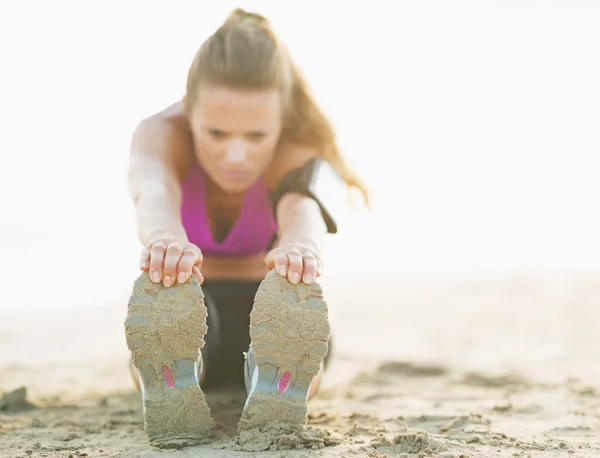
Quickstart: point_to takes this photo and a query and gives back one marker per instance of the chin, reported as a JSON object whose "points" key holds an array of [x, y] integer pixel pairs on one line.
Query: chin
{"points": [[234, 186]]}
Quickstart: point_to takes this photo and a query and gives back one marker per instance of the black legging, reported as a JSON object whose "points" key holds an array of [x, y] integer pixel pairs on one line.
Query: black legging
{"points": [[229, 303]]}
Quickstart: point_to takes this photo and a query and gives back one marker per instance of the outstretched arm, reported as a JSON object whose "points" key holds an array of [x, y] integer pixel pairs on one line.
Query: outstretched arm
{"points": [[160, 149], [301, 237], [153, 180], [303, 218]]}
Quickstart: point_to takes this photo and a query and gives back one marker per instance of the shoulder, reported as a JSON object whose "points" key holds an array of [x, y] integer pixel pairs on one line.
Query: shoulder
{"points": [[288, 157], [164, 137], [172, 119]]}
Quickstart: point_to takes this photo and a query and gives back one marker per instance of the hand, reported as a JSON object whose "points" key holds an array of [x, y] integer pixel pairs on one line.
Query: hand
{"points": [[171, 259], [296, 260]]}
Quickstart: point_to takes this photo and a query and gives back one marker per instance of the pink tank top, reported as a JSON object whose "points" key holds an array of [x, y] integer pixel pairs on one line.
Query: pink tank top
{"points": [[253, 231]]}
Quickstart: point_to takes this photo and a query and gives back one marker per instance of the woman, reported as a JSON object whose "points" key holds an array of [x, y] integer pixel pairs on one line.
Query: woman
{"points": [[225, 189]]}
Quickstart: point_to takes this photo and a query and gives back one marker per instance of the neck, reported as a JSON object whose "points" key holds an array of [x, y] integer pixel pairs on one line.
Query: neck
{"points": [[220, 194]]}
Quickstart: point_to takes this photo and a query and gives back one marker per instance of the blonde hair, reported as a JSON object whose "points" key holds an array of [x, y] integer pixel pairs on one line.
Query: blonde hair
{"points": [[245, 53]]}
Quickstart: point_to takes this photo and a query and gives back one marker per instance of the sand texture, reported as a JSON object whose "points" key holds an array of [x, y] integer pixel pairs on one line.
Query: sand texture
{"points": [[164, 325], [289, 330], [492, 366]]}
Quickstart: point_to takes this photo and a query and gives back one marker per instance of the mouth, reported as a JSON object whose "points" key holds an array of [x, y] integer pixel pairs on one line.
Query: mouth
{"points": [[233, 174]]}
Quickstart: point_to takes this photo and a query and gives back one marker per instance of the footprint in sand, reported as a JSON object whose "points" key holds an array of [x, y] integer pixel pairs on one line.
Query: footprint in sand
{"points": [[407, 369], [491, 381], [568, 431], [388, 372]]}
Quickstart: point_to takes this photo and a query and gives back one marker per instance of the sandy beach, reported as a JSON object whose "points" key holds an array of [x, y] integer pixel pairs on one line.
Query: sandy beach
{"points": [[425, 365], [475, 124]]}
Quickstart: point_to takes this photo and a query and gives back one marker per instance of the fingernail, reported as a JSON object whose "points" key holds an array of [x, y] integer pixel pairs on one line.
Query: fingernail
{"points": [[167, 281], [181, 277], [295, 277], [282, 270], [155, 277], [308, 278], [143, 265]]}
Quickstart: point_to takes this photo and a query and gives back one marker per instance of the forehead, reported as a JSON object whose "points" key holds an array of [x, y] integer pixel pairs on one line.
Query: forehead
{"points": [[237, 110]]}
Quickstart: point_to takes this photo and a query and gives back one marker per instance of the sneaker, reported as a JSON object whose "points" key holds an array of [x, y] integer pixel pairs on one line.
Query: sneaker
{"points": [[289, 331], [165, 330]]}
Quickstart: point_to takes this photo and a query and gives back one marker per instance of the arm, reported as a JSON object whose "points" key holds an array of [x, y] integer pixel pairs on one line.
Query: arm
{"points": [[160, 151], [153, 180], [302, 218], [299, 219], [301, 234]]}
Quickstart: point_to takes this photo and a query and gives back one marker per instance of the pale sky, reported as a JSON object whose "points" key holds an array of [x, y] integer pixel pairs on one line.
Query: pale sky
{"points": [[476, 125]]}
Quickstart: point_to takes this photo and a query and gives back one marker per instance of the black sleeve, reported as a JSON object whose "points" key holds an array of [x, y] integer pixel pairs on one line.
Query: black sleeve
{"points": [[304, 180]]}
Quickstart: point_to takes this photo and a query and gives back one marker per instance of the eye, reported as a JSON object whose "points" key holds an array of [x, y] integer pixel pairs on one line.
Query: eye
{"points": [[258, 135], [216, 133]]}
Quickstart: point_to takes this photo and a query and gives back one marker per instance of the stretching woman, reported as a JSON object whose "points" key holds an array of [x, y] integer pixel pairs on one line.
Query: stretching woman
{"points": [[226, 185]]}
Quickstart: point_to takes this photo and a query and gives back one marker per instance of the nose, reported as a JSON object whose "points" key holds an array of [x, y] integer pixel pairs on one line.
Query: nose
{"points": [[237, 151]]}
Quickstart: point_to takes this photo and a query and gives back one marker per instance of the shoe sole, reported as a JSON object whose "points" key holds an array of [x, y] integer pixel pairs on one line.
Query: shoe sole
{"points": [[289, 331], [165, 330]]}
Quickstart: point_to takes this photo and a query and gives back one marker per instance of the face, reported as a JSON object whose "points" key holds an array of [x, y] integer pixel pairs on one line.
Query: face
{"points": [[235, 134]]}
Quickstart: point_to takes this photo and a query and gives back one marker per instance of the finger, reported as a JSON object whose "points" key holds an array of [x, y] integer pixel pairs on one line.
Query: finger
{"points": [[319, 267], [188, 260], [197, 274], [270, 259], [309, 273], [277, 260], [295, 266], [157, 256], [145, 258], [174, 252]]}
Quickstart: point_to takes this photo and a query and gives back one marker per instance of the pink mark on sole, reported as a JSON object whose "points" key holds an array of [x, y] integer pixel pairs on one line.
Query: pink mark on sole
{"points": [[168, 377], [284, 381]]}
